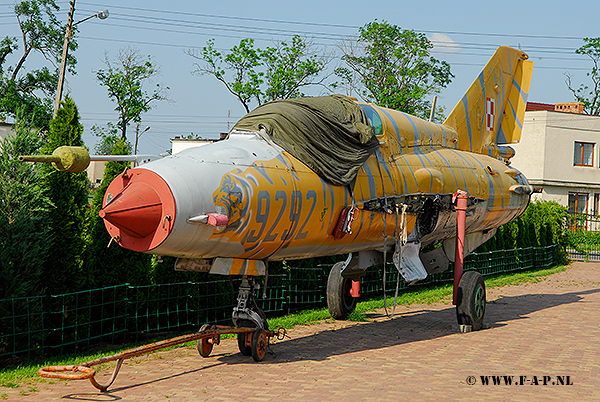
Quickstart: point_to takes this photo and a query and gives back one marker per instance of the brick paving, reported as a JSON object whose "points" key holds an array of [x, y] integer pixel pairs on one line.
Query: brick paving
{"points": [[550, 328]]}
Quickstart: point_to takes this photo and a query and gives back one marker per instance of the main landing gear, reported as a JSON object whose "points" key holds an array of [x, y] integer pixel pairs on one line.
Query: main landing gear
{"points": [[340, 300], [470, 300], [469, 288]]}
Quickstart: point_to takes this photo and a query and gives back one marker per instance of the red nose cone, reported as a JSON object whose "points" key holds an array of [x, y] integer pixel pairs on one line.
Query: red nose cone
{"points": [[139, 210], [136, 211]]}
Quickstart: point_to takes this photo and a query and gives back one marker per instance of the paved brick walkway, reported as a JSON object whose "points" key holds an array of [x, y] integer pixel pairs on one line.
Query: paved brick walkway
{"points": [[550, 328]]}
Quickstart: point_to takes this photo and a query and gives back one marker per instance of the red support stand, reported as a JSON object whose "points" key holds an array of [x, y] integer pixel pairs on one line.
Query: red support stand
{"points": [[355, 291], [461, 198]]}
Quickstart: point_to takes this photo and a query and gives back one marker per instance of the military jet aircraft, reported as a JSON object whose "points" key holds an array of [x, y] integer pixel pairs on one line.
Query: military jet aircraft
{"points": [[328, 175]]}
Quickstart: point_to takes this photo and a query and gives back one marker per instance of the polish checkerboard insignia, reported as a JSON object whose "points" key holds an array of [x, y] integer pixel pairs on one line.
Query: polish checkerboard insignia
{"points": [[490, 113]]}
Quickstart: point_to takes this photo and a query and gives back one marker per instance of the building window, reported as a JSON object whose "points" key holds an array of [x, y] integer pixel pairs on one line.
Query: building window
{"points": [[584, 154], [578, 203], [595, 207]]}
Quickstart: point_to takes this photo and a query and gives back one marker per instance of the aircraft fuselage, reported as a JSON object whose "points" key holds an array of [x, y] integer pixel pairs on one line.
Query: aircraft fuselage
{"points": [[277, 208]]}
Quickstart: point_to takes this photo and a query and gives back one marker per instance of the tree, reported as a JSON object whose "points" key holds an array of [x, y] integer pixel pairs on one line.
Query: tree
{"points": [[31, 89], [289, 68], [25, 238], [108, 139], [590, 96], [69, 194], [393, 67], [124, 80], [115, 265], [257, 75]]}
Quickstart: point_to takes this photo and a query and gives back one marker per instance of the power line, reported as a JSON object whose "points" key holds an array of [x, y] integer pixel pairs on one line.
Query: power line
{"points": [[554, 37], [169, 115], [490, 47], [136, 17], [229, 27], [323, 36], [469, 45], [274, 21], [345, 26], [187, 13], [326, 36]]}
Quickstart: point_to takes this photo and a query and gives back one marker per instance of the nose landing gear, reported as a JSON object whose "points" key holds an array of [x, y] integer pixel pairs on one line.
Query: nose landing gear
{"points": [[248, 314]]}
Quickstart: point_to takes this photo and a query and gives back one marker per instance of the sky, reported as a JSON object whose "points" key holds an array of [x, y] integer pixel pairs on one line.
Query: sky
{"points": [[465, 34]]}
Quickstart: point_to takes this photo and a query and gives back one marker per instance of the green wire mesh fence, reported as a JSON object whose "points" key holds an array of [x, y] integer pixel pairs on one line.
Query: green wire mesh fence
{"points": [[74, 322]]}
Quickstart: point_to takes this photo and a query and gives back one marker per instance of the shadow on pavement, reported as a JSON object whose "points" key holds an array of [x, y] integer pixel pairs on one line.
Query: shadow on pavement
{"points": [[405, 328]]}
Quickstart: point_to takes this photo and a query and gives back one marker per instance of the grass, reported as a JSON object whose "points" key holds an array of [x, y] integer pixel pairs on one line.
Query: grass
{"points": [[13, 378]]}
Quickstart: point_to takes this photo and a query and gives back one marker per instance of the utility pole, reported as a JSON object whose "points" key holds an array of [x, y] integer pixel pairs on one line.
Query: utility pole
{"points": [[63, 63]]}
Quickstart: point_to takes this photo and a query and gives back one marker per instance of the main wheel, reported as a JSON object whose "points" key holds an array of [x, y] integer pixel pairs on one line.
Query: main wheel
{"points": [[241, 338], [339, 300], [470, 300], [260, 341]]}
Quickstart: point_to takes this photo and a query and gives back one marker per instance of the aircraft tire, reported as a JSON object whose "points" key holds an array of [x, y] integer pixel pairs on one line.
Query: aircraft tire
{"points": [[241, 338], [470, 300], [339, 300]]}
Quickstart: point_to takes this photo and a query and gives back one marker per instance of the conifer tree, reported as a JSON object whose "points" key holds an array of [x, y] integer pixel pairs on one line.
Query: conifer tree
{"points": [[69, 194], [24, 216]]}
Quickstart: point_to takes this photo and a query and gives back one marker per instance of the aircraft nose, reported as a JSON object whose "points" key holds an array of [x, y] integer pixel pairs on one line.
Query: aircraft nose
{"points": [[136, 211], [139, 209]]}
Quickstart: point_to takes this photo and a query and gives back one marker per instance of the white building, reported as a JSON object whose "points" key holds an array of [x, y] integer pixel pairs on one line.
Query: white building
{"points": [[4, 129], [95, 170], [95, 173], [560, 151], [179, 144]]}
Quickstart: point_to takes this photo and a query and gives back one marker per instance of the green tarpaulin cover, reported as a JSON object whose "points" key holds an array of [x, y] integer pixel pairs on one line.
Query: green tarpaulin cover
{"points": [[329, 134]]}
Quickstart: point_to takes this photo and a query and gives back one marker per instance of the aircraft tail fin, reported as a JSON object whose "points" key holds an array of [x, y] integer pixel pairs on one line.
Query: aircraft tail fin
{"points": [[491, 112]]}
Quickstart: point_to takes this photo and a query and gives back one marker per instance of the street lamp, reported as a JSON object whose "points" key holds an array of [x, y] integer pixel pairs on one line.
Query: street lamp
{"points": [[137, 136], [61, 75]]}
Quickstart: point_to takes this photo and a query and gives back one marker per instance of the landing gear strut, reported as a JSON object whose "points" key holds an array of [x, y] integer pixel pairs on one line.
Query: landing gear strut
{"points": [[248, 314], [469, 287]]}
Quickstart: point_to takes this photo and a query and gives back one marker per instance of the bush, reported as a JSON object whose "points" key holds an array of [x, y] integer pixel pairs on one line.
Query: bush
{"points": [[542, 224]]}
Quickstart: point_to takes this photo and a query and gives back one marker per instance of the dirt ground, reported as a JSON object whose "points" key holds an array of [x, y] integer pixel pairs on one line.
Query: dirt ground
{"points": [[544, 338]]}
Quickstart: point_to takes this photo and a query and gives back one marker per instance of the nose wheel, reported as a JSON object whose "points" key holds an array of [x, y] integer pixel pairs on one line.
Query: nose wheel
{"points": [[247, 314], [245, 340], [470, 300], [260, 343]]}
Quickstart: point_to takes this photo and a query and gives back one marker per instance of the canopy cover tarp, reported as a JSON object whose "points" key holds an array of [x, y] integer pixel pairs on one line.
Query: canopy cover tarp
{"points": [[329, 134]]}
